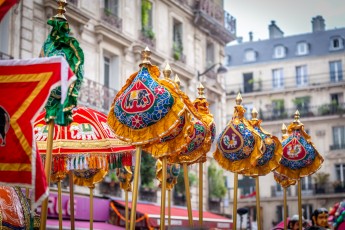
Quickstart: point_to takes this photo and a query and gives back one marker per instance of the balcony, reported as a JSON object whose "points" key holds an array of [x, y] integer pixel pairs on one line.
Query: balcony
{"points": [[4, 56], [272, 114], [113, 20], [148, 37], [279, 192], [215, 21], [95, 95], [337, 147]]}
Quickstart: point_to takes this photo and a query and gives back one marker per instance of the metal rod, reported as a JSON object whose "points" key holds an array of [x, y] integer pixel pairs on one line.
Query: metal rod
{"points": [[91, 207], [299, 203], [169, 208], [258, 208], [47, 170], [285, 210], [135, 187], [27, 193], [188, 201], [126, 209], [71, 199], [234, 210], [201, 197], [60, 203]]}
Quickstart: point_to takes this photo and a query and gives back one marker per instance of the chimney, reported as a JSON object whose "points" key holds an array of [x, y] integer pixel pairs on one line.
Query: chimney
{"points": [[250, 36], [318, 24], [239, 40], [275, 31]]}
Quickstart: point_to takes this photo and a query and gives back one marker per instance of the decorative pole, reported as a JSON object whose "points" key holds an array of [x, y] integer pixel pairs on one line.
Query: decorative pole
{"points": [[189, 204], [47, 170], [284, 135], [135, 186], [201, 172]]}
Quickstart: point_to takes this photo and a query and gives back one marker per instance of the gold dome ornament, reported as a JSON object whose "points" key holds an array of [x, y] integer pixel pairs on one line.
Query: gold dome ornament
{"points": [[300, 157], [239, 146]]}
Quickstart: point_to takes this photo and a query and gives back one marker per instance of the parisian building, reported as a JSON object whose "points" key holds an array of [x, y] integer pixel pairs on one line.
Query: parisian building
{"points": [[190, 35], [278, 76]]}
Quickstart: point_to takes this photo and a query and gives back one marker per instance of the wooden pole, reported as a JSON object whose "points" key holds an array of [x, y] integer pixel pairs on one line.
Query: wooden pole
{"points": [[60, 203], [201, 196], [299, 203], [234, 210], [27, 193], [163, 191], [188, 201], [169, 208], [71, 199], [285, 210], [258, 208], [47, 170], [126, 209], [91, 206], [135, 187]]}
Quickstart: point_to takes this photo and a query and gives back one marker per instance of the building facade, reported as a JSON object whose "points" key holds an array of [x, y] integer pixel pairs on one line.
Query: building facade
{"points": [[189, 34], [278, 76]]}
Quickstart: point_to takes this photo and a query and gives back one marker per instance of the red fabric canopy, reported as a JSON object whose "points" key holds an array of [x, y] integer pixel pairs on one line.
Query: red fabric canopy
{"points": [[179, 215]]}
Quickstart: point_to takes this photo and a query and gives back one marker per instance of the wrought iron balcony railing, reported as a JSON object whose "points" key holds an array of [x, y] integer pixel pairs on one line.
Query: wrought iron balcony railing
{"points": [[337, 146], [95, 95], [111, 19], [288, 113]]}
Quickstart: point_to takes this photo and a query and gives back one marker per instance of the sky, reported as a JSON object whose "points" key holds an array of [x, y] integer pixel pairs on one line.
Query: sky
{"points": [[292, 16]]}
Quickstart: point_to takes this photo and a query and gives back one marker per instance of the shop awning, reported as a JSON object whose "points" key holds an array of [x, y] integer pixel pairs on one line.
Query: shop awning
{"points": [[80, 225], [149, 213]]}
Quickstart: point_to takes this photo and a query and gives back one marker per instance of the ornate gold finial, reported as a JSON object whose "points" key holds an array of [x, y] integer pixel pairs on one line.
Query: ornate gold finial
{"points": [[284, 129], [296, 117], [177, 80], [167, 71], [238, 99], [145, 57], [61, 10], [201, 90], [254, 114]]}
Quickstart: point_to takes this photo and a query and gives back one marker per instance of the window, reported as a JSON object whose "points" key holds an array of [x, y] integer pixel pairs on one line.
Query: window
{"points": [[280, 212], [335, 71], [338, 137], [177, 40], [307, 211], [278, 110], [249, 107], [302, 48], [249, 55], [302, 104], [111, 75], [306, 183], [336, 43], [279, 52], [277, 78], [146, 18], [4, 28], [340, 172], [248, 82], [301, 75], [111, 7], [209, 54]]}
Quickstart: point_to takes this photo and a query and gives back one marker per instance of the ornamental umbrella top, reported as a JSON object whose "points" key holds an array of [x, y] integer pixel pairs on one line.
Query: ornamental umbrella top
{"points": [[272, 150], [60, 43], [300, 157], [145, 110], [239, 145]]}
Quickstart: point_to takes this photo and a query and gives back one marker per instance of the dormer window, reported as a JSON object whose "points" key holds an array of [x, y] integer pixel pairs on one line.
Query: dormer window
{"points": [[249, 55], [336, 43], [302, 48], [279, 52]]}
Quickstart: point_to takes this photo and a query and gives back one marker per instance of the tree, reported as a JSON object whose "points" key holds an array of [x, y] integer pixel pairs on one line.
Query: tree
{"points": [[216, 182], [147, 171]]}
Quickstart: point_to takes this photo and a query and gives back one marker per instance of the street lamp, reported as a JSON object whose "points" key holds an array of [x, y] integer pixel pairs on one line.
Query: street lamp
{"points": [[221, 69]]}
